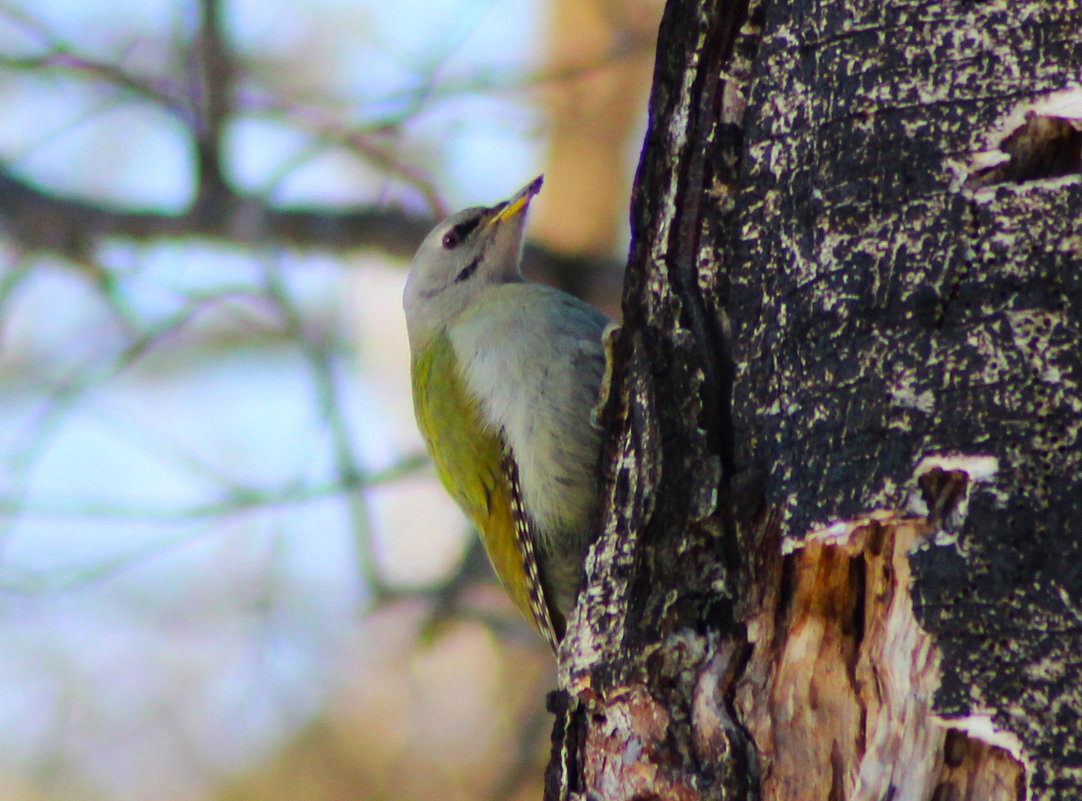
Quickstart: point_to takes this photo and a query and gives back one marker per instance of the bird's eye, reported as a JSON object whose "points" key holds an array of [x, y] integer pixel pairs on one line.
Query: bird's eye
{"points": [[453, 238]]}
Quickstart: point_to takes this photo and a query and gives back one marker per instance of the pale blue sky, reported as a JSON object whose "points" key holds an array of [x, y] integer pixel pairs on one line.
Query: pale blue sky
{"points": [[141, 653]]}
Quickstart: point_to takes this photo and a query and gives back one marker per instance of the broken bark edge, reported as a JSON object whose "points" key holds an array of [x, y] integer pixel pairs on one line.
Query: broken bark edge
{"points": [[838, 693], [824, 692], [1038, 141]]}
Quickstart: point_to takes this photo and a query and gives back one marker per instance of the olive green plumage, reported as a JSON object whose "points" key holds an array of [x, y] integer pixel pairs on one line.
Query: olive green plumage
{"points": [[469, 460], [505, 376]]}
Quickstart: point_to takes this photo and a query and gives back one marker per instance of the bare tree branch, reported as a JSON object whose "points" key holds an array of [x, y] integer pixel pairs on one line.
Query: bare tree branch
{"points": [[212, 88], [40, 221]]}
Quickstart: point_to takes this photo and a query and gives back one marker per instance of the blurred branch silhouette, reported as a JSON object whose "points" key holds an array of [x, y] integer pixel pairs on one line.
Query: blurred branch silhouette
{"points": [[207, 86], [203, 99]]}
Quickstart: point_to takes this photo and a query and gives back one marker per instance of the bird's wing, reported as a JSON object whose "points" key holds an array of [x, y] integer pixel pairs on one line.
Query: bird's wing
{"points": [[477, 468]]}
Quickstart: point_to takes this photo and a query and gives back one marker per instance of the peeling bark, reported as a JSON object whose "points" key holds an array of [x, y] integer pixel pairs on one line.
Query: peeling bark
{"points": [[839, 693], [885, 199]]}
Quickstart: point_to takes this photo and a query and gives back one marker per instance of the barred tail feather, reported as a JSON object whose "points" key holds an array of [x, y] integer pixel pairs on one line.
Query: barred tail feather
{"points": [[526, 537]]}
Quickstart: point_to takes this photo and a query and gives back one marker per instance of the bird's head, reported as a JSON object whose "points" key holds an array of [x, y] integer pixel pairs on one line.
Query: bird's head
{"points": [[470, 250]]}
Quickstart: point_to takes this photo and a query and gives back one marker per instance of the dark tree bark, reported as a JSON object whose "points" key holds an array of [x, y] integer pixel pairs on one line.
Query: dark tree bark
{"points": [[860, 578]]}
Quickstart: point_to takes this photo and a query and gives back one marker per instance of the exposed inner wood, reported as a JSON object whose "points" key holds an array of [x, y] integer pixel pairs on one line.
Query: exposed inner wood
{"points": [[838, 692]]}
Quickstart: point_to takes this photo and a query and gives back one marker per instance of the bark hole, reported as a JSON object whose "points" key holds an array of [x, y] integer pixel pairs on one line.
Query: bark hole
{"points": [[1039, 140]]}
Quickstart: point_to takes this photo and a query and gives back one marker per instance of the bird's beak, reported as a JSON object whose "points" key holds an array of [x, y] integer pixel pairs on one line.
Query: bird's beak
{"points": [[519, 202]]}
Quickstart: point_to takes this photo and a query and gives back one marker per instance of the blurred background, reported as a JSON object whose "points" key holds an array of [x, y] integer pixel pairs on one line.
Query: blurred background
{"points": [[226, 568]]}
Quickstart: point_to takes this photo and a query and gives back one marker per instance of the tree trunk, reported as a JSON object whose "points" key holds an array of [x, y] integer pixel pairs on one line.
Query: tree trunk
{"points": [[838, 557]]}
